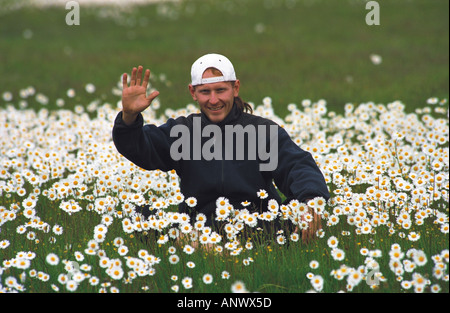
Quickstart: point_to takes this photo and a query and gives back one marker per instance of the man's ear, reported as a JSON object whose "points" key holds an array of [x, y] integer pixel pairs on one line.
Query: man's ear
{"points": [[192, 91], [237, 85]]}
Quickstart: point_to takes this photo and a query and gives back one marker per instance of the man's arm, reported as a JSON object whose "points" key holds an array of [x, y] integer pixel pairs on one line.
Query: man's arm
{"points": [[146, 146], [297, 174], [299, 177]]}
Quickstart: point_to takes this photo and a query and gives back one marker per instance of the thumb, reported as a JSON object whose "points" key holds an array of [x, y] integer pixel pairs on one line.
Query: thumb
{"points": [[152, 96]]}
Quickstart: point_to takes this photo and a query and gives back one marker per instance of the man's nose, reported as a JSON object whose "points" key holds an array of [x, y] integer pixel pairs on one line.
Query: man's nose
{"points": [[213, 99]]}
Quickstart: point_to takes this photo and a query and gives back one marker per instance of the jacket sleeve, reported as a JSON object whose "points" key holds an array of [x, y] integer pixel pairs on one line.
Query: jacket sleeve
{"points": [[297, 174], [146, 146]]}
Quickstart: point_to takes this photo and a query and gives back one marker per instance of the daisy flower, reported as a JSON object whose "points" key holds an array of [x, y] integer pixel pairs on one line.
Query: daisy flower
{"points": [[281, 239], [104, 262], [173, 233], [118, 241], [207, 279], [52, 259], [191, 202], [273, 206], [262, 194], [364, 251], [29, 204], [174, 259], [29, 212], [185, 228], [163, 239], [222, 201], [78, 256], [225, 275], [419, 280], [204, 238], [116, 272], [187, 283], [62, 278], [31, 235], [57, 229], [71, 285], [122, 250], [317, 283], [435, 288], [313, 264], [338, 254], [238, 287], [294, 237], [419, 258], [318, 204], [413, 236], [90, 88], [332, 242], [100, 228], [94, 281], [199, 225], [309, 275], [171, 250], [188, 249], [222, 213], [200, 217], [406, 284], [4, 244]]}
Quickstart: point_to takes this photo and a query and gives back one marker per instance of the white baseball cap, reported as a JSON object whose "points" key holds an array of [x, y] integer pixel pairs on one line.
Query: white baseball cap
{"points": [[217, 61]]}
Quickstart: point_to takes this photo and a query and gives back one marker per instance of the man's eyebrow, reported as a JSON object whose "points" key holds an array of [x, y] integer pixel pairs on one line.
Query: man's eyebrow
{"points": [[207, 88]]}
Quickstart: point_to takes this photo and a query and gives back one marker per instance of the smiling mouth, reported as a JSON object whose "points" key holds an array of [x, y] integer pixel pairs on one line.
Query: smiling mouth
{"points": [[217, 108]]}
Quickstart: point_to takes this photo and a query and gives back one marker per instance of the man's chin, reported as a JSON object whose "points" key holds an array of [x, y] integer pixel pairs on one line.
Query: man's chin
{"points": [[216, 118]]}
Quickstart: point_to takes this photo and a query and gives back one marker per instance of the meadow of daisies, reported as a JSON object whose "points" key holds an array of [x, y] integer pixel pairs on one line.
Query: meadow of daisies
{"points": [[68, 222]]}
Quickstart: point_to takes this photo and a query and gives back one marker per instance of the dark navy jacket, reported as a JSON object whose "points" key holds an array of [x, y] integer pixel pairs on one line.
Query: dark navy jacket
{"points": [[296, 175]]}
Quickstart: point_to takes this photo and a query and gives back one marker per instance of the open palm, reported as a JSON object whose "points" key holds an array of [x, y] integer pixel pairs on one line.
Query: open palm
{"points": [[134, 97]]}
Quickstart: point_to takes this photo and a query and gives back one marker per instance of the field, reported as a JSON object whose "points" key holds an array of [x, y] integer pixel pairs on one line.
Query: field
{"points": [[368, 102]]}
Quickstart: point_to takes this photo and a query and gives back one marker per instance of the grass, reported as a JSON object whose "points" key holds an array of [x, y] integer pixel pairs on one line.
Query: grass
{"points": [[319, 50]]}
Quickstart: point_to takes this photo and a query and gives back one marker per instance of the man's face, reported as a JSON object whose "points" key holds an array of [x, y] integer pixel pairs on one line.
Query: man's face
{"points": [[215, 99]]}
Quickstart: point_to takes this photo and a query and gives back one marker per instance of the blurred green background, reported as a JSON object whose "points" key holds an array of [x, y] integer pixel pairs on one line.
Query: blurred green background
{"points": [[288, 50]]}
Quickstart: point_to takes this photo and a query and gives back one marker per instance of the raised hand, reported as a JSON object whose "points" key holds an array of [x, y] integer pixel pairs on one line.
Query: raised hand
{"points": [[134, 98]]}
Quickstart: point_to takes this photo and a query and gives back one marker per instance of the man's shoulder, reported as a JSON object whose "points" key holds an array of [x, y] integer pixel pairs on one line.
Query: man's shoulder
{"points": [[247, 119]]}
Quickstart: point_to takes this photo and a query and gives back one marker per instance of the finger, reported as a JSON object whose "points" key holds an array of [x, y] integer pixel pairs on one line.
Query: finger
{"points": [[146, 78], [133, 77], [139, 76], [124, 81], [305, 236], [319, 221]]}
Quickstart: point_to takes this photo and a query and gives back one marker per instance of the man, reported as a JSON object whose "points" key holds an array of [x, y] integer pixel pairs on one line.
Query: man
{"points": [[211, 163]]}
